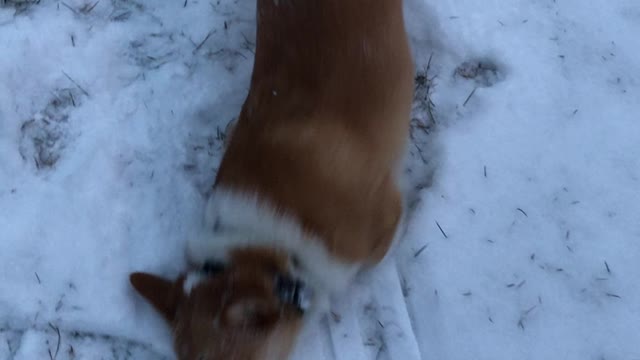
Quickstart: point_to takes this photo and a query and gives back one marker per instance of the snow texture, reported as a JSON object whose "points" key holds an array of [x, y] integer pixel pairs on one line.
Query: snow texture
{"points": [[524, 177]]}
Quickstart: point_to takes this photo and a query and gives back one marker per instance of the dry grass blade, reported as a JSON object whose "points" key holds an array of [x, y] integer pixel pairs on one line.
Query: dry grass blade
{"points": [[57, 330], [417, 253], [203, 41], [69, 7], [442, 231], [469, 97], [89, 7], [76, 84]]}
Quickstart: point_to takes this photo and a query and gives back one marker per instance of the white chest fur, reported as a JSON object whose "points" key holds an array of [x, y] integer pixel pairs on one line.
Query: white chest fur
{"points": [[235, 220]]}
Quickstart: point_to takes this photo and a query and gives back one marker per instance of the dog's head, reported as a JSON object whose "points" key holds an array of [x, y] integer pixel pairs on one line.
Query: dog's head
{"points": [[236, 311]]}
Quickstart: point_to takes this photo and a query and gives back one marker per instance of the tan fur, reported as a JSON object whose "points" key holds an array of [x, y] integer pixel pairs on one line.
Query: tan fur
{"points": [[319, 137], [326, 119]]}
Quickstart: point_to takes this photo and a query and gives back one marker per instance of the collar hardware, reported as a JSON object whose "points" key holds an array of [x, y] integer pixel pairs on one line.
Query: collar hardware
{"points": [[213, 267], [289, 290], [293, 292]]}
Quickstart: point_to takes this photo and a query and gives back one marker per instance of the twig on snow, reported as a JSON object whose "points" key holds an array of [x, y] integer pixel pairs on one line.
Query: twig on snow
{"points": [[76, 84], [203, 41], [469, 97], [88, 8], [417, 253], [69, 7], [442, 231]]}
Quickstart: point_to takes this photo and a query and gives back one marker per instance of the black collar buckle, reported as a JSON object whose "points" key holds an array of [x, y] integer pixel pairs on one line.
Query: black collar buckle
{"points": [[293, 292], [213, 267]]}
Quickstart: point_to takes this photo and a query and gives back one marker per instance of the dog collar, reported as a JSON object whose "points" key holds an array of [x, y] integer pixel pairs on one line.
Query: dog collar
{"points": [[290, 291]]}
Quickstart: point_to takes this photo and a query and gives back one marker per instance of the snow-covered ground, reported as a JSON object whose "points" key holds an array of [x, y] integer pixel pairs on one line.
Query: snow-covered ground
{"points": [[524, 236]]}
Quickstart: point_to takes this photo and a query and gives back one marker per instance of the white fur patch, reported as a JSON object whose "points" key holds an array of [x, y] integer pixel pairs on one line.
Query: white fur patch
{"points": [[235, 220], [193, 279]]}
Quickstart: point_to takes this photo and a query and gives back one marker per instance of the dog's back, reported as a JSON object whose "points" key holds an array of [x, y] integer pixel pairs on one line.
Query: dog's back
{"points": [[326, 119]]}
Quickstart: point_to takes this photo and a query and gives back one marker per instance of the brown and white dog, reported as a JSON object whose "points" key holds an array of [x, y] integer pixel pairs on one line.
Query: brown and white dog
{"points": [[307, 191]]}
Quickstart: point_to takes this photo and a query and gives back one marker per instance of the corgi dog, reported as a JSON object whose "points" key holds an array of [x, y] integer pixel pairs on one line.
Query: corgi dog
{"points": [[307, 191]]}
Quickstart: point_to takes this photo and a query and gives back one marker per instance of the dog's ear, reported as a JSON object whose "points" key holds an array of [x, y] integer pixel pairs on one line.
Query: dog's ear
{"points": [[162, 294]]}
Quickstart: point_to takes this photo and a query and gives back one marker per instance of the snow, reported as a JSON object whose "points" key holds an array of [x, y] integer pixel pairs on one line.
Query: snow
{"points": [[112, 120]]}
